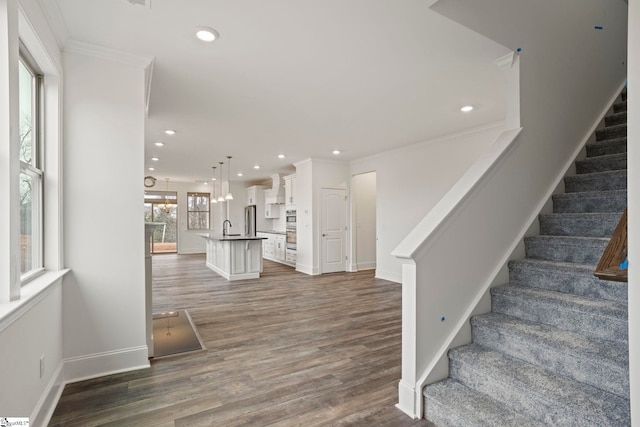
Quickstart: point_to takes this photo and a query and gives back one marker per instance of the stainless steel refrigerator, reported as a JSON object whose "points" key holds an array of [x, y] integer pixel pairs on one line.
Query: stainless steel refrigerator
{"points": [[250, 220]]}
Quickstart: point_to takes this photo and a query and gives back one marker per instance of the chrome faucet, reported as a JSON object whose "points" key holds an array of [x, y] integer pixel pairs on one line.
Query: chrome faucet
{"points": [[224, 226]]}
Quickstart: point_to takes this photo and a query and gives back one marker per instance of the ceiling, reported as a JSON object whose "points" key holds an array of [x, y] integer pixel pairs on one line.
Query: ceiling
{"points": [[297, 77]]}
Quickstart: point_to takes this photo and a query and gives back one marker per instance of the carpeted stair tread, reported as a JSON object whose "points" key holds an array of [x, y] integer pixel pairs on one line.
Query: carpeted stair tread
{"points": [[620, 106], [594, 318], [590, 361], [449, 403], [579, 224], [597, 181], [603, 163], [615, 119], [535, 392], [570, 278], [609, 146], [610, 132], [580, 250], [590, 202]]}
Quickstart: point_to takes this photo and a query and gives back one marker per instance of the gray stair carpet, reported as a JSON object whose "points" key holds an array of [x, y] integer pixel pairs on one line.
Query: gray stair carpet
{"points": [[554, 349]]}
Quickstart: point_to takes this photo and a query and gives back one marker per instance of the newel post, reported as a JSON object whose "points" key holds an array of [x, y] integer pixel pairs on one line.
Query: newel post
{"points": [[408, 397]]}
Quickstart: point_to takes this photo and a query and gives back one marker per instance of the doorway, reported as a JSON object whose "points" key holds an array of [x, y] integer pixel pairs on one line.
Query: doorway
{"points": [[363, 229], [161, 207], [333, 230]]}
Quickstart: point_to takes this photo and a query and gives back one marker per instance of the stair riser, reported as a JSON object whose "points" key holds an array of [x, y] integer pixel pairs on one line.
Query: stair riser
{"points": [[616, 119], [596, 372], [602, 164], [612, 146], [498, 385], [620, 106], [589, 323], [588, 252], [566, 281], [611, 132], [609, 181], [585, 226], [590, 203], [449, 403]]}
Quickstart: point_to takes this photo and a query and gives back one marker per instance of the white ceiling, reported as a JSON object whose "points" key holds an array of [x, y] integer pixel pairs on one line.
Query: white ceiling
{"points": [[299, 77]]}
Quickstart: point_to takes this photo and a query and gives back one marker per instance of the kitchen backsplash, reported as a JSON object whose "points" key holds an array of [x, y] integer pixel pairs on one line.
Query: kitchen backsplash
{"points": [[280, 224]]}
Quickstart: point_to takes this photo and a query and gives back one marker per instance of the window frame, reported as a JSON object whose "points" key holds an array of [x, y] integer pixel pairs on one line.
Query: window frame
{"points": [[191, 194], [35, 169]]}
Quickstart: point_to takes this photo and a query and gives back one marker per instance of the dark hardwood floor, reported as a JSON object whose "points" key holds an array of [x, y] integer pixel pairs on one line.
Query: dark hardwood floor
{"points": [[284, 350]]}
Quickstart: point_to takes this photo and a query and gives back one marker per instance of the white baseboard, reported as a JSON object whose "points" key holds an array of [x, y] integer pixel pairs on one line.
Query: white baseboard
{"points": [[391, 276], [407, 400], [101, 364], [371, 265], [49, 400], [307, 269]]}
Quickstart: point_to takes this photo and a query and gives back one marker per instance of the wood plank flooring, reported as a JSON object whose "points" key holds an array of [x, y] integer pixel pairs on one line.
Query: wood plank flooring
{"points": [[284, 350]]}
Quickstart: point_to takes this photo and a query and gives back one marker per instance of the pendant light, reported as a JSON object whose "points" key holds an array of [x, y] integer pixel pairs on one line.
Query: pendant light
{"points": [[220, 198], [229, 196], [167, 209], [213, 183]]}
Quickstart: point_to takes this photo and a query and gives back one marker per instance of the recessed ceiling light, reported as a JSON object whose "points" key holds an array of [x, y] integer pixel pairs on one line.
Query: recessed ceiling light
{"points": [[281, 156], [151, 169], [239, 173], [256, 167], [170, 132], [336, 152], [159, 144], [466, 108], [155, 159], [206, 34]]}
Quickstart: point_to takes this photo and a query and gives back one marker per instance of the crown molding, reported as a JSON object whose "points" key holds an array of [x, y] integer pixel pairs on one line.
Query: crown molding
{"points": [[88, 49], [56, 21]]}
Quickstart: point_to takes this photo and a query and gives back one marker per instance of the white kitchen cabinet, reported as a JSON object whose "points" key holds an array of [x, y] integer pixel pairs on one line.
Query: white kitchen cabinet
{"points": [[290, 191], [274, 247], [271, 211], [255, 195], [280, 244], [291, 257], [268, 245]]}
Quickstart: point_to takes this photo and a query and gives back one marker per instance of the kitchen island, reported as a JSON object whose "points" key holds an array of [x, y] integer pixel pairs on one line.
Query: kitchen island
{"points": [[234, 257]]}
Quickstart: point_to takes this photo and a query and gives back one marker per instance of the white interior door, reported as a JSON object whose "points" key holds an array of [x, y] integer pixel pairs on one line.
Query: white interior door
{"points": [[333, 230]]}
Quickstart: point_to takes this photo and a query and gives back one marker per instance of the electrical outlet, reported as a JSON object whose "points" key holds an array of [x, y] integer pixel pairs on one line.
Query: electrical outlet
{"points": [[42, 366]]}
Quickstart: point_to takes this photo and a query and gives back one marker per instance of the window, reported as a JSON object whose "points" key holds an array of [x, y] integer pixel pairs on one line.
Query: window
{"points": [[162, 207], [198, 211], [31, 174]]}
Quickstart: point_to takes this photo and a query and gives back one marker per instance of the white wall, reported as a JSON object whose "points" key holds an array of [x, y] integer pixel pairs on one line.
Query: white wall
{"points": [[363, 194], [31, 326], [411, 180], [36, 333], [104, 300], [633, 162]]}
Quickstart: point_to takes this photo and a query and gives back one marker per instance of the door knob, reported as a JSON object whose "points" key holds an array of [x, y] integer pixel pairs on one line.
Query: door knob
{"points": [[324, 235]]}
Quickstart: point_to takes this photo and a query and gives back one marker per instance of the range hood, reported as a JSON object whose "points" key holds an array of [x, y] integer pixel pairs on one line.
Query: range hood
{"points": [[275, 196]]}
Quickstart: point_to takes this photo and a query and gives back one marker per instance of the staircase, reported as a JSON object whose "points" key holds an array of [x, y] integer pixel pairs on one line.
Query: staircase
{"points": [[554, 349]]}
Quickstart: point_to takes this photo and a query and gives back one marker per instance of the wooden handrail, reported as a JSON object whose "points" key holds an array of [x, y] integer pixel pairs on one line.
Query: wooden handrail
{"points": [[616, 253]]}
